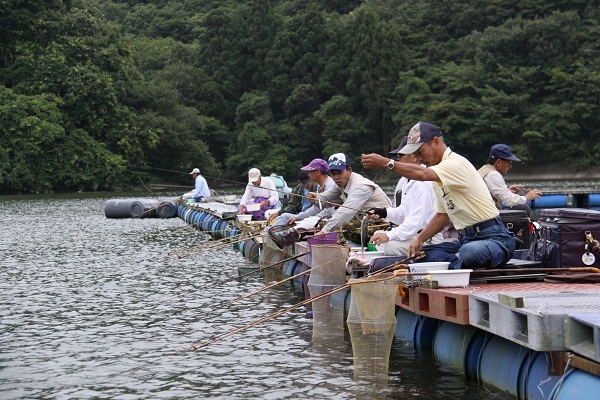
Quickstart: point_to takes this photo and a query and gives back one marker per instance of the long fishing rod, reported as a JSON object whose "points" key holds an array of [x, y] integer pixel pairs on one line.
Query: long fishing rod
{"points": [[209, 243], [298, 275], [225, 335], [272, 285], [259, 270], [222, 245]]}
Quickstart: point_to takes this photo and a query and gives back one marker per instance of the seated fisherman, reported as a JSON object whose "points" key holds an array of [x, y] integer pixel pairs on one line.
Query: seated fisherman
{"points": [[499, 163], [353, 192], [299, 201], [461, 198], [258, 191], [201, 189], [317, 172], [412, 215]]}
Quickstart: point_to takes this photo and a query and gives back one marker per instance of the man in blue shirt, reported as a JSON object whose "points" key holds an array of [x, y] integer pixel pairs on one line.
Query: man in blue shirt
{"points": [[201, 189]]}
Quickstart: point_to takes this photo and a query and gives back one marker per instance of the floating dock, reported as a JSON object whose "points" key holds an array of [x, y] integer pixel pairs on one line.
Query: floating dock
{"points": [[532, 340]]}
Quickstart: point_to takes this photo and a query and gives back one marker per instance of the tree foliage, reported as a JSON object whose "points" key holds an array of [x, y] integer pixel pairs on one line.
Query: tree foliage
{"points": [[90, 90]]}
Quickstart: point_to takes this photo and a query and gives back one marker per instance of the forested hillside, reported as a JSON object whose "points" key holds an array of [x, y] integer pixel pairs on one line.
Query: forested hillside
{"points": [[98, 94]]}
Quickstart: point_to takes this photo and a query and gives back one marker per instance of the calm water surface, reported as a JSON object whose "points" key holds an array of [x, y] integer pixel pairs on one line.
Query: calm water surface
{"points": [[92, 307]]}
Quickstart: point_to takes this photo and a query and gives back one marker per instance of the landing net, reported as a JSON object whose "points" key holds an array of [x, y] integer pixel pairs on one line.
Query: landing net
{"points": [[371, 323], [328, 271]]}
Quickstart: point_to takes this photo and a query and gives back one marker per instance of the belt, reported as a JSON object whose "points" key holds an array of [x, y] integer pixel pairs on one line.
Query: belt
{"points": [[474, 229]]}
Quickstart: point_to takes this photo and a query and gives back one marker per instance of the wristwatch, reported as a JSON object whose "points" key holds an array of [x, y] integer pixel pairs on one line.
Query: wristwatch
{"points": [[390, 164]]}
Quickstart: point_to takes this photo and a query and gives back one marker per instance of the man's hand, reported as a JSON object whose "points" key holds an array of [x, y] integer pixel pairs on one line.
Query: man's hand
{"points": [[380, 238], [533, 194], [376, 213], [273, 216], [415, 247], [373, 160], [515, 188], [263, 204], [291, 221], [241, 209], [312, 197]]}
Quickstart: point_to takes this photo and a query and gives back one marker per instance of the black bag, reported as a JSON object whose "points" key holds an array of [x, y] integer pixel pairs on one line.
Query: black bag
{"points": [[518, 224], [543, 249], [569, 229]]}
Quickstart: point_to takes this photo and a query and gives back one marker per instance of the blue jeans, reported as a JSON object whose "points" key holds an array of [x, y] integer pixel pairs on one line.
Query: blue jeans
{"points": [[489, 248]]}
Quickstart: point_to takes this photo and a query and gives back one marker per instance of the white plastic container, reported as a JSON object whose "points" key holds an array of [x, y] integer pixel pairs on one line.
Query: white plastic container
{"points": [[369, 255], [244, 217], [451, 278], [427, 267], [253, 207]]}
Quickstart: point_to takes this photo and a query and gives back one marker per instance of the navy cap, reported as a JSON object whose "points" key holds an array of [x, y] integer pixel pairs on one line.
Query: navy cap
{"points": [[400, 146], [503, 152], [339, 162], [420, 133]]}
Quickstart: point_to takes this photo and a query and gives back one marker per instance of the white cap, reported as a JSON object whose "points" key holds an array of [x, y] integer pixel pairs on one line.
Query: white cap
{"points": [[195, 171], [253, 175]]}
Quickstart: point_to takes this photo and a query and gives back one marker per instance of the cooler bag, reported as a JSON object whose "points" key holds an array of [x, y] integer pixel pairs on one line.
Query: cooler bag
{"points": [[517, 222], [567, 227]]}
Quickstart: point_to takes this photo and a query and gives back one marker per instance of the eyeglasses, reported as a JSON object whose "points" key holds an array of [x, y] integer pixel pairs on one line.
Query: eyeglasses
{"points": [[508, 161]]}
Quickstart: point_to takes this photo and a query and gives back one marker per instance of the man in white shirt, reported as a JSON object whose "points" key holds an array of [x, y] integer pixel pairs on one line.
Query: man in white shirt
{"points": [[261, 192], [201, 189], [412, 214], [499, 163]]}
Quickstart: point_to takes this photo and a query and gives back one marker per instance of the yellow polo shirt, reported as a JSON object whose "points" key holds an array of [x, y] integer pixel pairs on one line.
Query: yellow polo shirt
{"points": [[461, 192]]}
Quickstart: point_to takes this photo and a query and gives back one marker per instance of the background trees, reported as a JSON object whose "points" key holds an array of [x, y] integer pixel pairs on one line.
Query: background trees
{"points": [[92, 90]]}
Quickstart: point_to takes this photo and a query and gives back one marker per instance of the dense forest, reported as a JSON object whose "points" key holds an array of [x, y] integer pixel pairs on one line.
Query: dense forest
{"points": [[100, 94]]}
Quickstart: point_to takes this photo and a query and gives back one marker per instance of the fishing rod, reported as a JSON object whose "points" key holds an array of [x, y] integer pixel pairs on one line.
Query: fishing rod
{"points": [[225, 335], [276, 190], [293, 277], [220, 246], [272, 285], [259, 270], [211, 243]]}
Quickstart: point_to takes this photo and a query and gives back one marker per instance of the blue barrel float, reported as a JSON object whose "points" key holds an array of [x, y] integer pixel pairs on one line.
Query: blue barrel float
{"points": [[451, 345], [406, 324], [591, 200], [534, 381], [550, 201], [576, 385], [500, 364]]}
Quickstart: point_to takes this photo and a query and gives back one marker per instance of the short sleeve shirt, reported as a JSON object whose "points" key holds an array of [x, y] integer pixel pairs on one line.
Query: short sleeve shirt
{"points": [[461, 192]]}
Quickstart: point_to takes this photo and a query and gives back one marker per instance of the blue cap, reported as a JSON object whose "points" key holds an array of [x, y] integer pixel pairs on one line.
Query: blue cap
{"points": [[400, 146], [503, 152], [339, 162]]}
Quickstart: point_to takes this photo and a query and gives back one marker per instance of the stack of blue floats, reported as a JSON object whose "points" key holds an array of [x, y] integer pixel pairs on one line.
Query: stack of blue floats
{"points": [[493, 360], [219, 229]]}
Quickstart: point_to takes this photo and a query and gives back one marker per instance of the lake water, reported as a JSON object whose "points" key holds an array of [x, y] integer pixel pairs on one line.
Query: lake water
{"points": [[92, 307]]}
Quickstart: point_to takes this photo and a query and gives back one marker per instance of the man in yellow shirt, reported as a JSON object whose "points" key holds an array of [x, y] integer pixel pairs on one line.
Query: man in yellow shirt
{"points": [[462, 198]]}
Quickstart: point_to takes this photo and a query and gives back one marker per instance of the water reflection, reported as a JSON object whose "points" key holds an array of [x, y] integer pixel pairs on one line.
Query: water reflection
{"points": [[95, 307]]}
